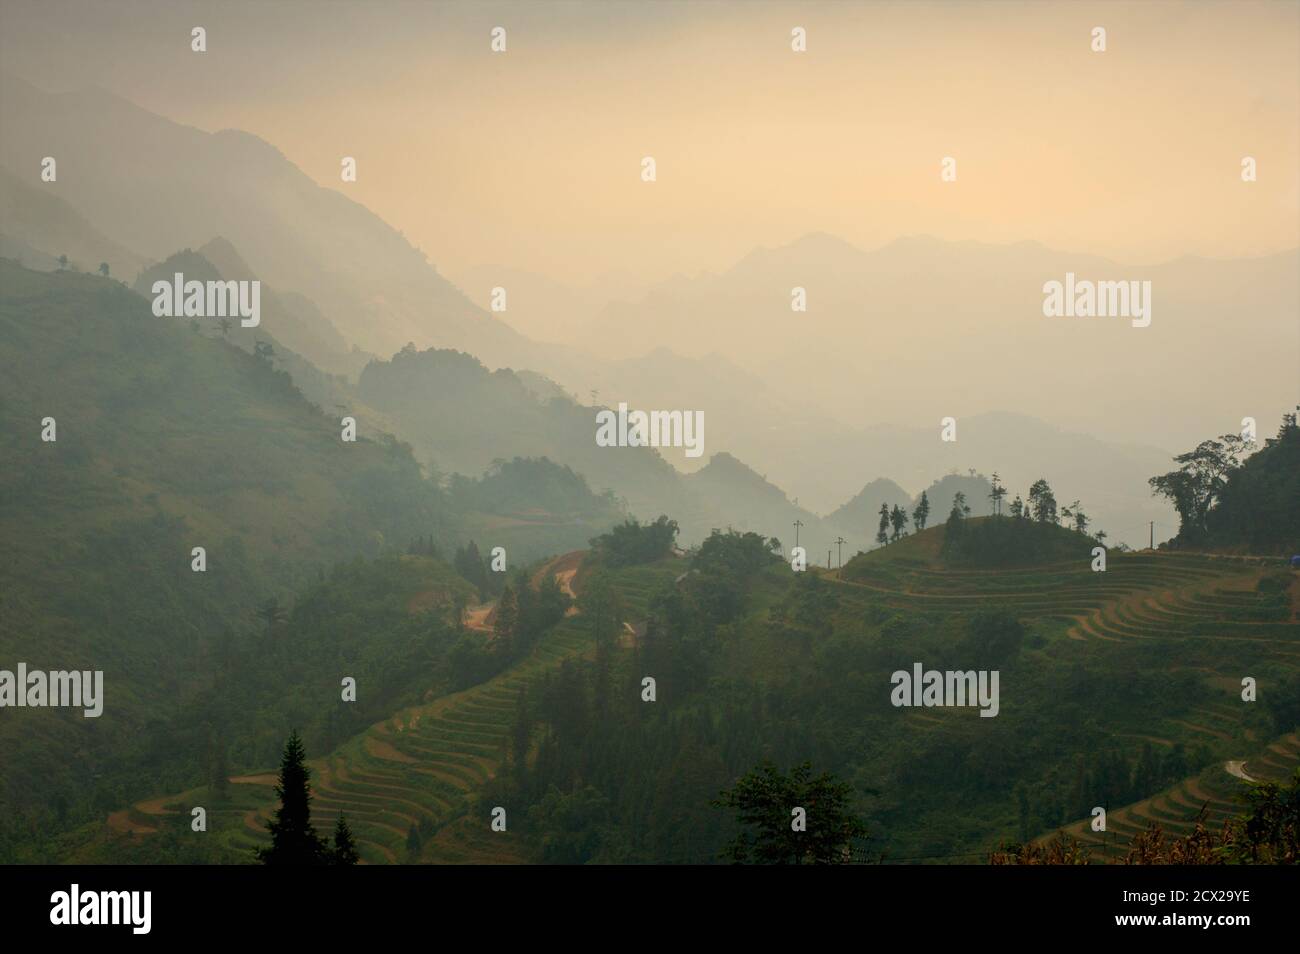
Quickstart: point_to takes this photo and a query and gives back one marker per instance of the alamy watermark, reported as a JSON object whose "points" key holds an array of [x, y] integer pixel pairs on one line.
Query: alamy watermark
{"points": [[58, 689], [213, 299], [74, 907], [922, 687], [651, 429], [1088, 299]]}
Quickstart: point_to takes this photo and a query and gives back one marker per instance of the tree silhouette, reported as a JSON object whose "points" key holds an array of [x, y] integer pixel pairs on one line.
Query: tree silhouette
{"points": [[882, 534], [765, 801], [1042, 502], [345, 848], [898, 520], [996, 494], [103, 269], [293, 839], [954, 527], [469, 564], [1075, 512], [1199, 480], [921, 513], [63, 262]]}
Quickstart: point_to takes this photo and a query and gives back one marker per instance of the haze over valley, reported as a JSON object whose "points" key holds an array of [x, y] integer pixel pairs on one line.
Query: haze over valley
{"points": [[646, 433]]}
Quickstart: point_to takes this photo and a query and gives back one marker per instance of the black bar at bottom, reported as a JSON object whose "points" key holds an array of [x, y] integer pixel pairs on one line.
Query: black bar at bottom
{"points": [[429, 904]]}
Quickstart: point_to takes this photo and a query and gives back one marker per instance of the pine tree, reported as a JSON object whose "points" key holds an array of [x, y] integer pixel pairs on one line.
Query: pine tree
{"points": [[898, 519], [345, 848], [293, 839], [922, 512], [882, 534], [996, 493], [954, 527]]}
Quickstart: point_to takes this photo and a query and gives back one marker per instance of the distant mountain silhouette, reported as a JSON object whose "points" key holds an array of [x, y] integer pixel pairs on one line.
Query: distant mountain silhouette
{"points": [[861, 516], [922, 328], [33, 216], [753, 503], [157, 186], [818, 401]]}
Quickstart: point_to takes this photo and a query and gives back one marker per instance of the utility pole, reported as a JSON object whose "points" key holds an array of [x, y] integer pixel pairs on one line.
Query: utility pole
{"points": [[797, 525], [1153, 534], [839, 542], [828, 559]]}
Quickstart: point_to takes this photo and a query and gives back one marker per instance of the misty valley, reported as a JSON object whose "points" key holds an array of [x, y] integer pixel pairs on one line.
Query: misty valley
{"points": [[357, 507]]}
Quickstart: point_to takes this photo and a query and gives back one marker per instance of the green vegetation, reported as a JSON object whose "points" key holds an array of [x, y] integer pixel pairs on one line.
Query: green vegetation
{"points": [[463, 417], [389, 624], [293, 839], [1266, 832], [525, 611], [169, 440], [631, 543], [765, 801], [625, 725], [1224, 502], [1006, 541], [752, 662], [520, 485]]}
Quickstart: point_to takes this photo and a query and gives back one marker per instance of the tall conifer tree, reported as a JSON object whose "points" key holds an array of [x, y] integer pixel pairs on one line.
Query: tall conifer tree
{"points": [[293, 839]]}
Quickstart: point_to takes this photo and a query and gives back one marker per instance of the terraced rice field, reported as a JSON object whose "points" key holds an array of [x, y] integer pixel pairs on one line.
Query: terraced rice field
{"points": [[422, 766], [1204, 609], [1176, 808]]}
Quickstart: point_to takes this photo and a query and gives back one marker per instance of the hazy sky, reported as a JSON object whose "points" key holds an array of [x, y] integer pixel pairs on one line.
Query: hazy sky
{"points": [[531, 158]]}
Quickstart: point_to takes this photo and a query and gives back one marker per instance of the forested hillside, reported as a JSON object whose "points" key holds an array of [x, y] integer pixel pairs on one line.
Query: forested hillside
{"points": [[131, 440], [462, 417]]}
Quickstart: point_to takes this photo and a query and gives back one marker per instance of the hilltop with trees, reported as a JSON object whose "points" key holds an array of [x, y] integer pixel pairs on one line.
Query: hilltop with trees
{"points": [[1227, 500]]}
